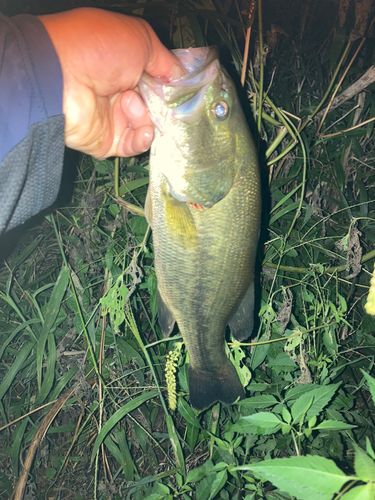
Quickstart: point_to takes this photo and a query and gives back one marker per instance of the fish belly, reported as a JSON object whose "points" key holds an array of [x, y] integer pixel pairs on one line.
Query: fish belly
{"points": [[204, 262]]}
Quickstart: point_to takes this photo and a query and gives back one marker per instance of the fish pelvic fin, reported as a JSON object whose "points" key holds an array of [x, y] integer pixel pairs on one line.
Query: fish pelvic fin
{"points": [[208, 387], [242, 322], [166, 318]]}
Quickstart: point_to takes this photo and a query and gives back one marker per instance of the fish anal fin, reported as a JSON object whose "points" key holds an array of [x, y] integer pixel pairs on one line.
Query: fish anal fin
{"points": [[242, 321], [208, 387], [166, 318]]}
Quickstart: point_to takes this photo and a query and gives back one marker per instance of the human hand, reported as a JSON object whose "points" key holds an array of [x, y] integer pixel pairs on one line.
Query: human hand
{"points": [[103, 55]]}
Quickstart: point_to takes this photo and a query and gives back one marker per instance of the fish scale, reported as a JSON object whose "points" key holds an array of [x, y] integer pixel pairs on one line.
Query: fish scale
{"points": [[204, 254]]}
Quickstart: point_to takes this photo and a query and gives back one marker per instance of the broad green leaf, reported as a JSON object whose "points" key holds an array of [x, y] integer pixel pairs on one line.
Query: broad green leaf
{"points": [[237, 355], [220, 466], [154, 496], [222, 444], [109, 259], [364, 466], [259, 353], [262, 401], [286, 415], [282, 360], [204, 487], [163, 488], [116, 417], [219, 482], [199, 473], [300, 407], [307, 478], [333, 425], [322, 396], [263, 420], [179, 479], [369, 448], [365, 492], [371, 383], [244, 427], [312, 422], [51, 472], [298, 390]]}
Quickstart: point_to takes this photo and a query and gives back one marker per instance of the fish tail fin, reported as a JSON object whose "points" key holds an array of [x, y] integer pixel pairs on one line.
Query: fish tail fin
{"points": [[208, 387]]}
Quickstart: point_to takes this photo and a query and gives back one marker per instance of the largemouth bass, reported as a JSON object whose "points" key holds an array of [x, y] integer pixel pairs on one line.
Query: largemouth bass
{"points": [[203, 205]]}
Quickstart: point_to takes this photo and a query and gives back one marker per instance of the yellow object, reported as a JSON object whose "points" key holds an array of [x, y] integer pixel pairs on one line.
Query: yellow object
{"points": [[370, 304], [170, 374]]}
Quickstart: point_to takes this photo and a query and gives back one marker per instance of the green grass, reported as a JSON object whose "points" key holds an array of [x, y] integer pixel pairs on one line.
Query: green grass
{"points": [[78, 302]]}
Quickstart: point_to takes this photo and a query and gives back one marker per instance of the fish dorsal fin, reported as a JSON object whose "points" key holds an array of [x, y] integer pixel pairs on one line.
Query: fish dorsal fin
{"points": [[242, 321], [148, 207], [166, 318]]}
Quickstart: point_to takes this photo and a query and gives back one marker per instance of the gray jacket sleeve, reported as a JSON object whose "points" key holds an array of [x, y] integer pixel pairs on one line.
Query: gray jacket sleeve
{"points": [[31, 120]]}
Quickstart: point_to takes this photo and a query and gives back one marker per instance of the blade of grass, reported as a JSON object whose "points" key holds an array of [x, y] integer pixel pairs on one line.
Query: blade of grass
{"points": [[117, 416], [15, 368], [54, 305]]}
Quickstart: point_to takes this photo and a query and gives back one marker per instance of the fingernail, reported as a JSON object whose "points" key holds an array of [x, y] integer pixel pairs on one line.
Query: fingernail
{"points": [[147, 140], [135, 105]]}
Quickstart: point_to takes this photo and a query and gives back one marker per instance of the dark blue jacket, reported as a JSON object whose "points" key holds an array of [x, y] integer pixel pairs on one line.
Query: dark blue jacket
{"points": [[31, 120]]}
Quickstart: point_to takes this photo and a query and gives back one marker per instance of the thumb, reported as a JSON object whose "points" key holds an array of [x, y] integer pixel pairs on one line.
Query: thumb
{"points": [[162, 61]]}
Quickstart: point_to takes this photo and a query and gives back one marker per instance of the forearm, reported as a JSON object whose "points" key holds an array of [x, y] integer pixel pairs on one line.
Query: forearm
{"points": [[31, 120]]}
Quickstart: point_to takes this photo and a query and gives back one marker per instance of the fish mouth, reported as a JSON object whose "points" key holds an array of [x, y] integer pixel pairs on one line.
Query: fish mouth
{"points": [[182, 99]]}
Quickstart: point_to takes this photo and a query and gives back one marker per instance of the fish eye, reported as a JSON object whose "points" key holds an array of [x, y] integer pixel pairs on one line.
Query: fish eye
{"points": [[220, 110]]}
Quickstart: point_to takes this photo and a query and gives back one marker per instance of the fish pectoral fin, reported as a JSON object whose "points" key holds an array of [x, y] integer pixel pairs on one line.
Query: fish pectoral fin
{"points": [[206, 388], [242, 321], [148, 207], [166, 318], [179, 221]]}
